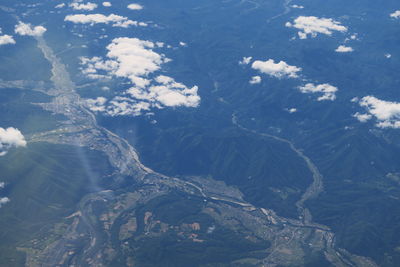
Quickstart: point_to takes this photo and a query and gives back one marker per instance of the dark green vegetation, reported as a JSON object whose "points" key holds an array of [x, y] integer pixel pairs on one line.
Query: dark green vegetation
{"points": [[267, 172], [359, 202], [44, 183], [360, 164], [365, 217], [220, 249], [23, 60], [17, 110], [167, 237]]}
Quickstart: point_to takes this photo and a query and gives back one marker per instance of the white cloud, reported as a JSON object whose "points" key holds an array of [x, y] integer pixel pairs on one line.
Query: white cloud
{"points": [[3, 201], [344, 49], [395, 14], [115, 20], [168, 92], [362, 117], [60, 5], [135, 7], [388, 55], [135, 60], [386, 113], [124, 106], [107, 4], [27, 29], [88, 6], [278, 70], [128, 58], [245, 60], [313, 26], [6, 39], [297, 6], [255, 80], [10, 137], [97, 104], [292, 110], [353, 37], [183, 44], [328, 91]]}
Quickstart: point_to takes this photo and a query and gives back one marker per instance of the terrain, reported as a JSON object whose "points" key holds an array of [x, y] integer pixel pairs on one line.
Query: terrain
{"points": [[255, 175]]}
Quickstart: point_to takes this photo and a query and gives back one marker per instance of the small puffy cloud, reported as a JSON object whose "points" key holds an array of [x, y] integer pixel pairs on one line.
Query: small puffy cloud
{"points": [[344, 49], [128, 58], [169, 93], [135, 60], [313, 26], [60, 5], [10, 137], [135, 7], [183, 44], [388, 55], [6, 39], [245, 60], [3, 201], [278, 70], [255, 80], [395, 14], [328, 91], [387, 113], [97, 104], [29, 30], [292, 110], [362, 117], [80, 6], [297, 6], [107, 4], [115, 20], [125, 106]]}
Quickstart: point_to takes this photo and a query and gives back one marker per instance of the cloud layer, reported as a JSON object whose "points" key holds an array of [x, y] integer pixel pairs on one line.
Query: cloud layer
{"points": [[344, 49], [386, 113], [88, 6], [114, 20], [395, 14], [135, 7], [29, 30], [10, 137], [60, 5], [4, 200], [6, 39], [245, 60], [135, 60], [255, 80], [278, 70], [328, 91], [312, 26]]}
